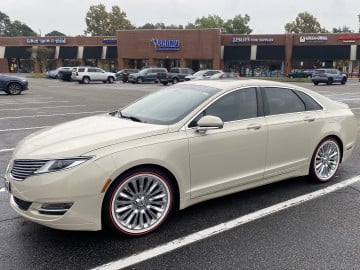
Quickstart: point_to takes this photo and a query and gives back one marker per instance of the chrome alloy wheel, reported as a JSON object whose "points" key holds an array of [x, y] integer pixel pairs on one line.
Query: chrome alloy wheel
{"points": [[140, 203], [327, 159]]}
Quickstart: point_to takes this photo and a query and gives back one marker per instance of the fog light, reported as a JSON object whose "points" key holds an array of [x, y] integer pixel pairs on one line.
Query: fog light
{"points": [[55, 208]]}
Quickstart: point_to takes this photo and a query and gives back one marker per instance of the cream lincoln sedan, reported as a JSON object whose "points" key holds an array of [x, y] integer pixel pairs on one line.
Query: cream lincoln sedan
{"points": [[194, 141]]}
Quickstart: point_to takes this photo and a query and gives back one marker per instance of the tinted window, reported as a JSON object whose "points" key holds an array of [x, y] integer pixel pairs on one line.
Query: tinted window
{"points": [[91, 69], [237, 105], [310, 103], [281, 101], [81, 69]]}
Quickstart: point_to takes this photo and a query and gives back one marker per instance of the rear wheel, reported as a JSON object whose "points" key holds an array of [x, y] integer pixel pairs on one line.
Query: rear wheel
{"points": [[316, 83], [325, 160], [330, 81], [175, 80], [14, 89], [86, 80], [138, 202]]}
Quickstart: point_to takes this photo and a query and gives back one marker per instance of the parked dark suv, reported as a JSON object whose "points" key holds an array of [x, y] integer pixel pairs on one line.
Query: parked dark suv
{"points": [[123, 75], [147, 75], [328, 76], [176, 75]]}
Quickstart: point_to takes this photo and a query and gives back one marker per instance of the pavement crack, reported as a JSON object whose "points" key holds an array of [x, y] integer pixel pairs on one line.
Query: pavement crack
{"points": [[8, 219], [354, 188]]}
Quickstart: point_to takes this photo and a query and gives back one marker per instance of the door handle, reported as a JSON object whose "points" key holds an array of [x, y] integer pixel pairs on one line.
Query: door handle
{"points": [[254, 126], [309, 119]]}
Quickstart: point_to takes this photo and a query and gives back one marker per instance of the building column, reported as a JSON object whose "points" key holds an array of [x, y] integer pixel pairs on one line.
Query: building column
{"points": [[289, 43]]}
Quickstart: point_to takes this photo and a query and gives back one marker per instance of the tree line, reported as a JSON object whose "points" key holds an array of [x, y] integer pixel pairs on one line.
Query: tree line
{"points": [[100, 22]]}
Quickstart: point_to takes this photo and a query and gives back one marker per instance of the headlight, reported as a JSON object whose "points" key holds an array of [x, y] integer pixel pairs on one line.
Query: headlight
{"points": [[61, 164]]}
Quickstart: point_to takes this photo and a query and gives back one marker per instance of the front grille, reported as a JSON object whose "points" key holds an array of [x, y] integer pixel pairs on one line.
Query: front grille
{"points": [[23, 205], [23, 168]]}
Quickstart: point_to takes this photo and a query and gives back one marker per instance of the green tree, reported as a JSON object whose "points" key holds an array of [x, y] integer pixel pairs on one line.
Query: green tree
{"points": [[55, 33], [344, 29], [18, 28], [211, 21], [237, 25], [102, 23], [4, 24], [304, 23], [42, 54]]}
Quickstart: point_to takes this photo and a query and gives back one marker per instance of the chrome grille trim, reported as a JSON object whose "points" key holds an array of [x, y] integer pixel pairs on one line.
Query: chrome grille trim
{"points": [[23, 168]]}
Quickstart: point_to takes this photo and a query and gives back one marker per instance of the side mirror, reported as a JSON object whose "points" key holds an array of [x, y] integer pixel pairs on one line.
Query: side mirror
{"points": [[209, 122]]}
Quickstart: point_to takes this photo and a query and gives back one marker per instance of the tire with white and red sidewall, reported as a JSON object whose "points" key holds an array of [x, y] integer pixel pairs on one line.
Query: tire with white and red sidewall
{"points": [[138, 202]]}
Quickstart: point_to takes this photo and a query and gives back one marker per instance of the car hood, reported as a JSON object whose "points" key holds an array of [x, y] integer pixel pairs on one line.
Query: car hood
{"points": [[80, 136]]}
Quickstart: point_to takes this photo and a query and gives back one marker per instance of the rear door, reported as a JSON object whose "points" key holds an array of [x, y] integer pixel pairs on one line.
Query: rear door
{"points": [[292, 128]]}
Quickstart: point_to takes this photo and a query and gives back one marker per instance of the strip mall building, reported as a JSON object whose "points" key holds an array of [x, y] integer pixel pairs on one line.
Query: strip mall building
{"points": [[249, 55]]}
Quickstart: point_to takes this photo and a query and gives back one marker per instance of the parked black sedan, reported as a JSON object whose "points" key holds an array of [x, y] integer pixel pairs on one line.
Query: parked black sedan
{"points": [[13, 85]]}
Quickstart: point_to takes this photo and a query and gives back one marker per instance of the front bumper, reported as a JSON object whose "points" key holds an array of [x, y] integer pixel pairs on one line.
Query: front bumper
{"points": [[66, 200]]}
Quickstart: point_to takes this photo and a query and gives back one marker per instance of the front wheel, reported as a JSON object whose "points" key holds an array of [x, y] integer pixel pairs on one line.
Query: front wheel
{"points": [[316, 83], [325, 160], [14, 89], [343, 81], [110, 79], [139, 80], [138, 202]]}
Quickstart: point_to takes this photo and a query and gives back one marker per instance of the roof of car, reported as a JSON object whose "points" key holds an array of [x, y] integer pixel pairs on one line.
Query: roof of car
{"points": [[231, 84]]}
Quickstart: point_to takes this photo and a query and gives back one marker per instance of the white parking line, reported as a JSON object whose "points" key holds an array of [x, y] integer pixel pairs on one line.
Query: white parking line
{"points": [[187, 240], [2, 189], [6, 150], [50, 115], [36, 102], [38, 108], [19, 129]]}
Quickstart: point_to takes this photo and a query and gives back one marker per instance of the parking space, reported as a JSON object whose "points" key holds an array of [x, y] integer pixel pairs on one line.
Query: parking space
{"points": [[298, 238]]}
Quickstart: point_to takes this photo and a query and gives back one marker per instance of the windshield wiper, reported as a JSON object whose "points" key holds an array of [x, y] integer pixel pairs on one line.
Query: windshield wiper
{"points": [[132, 118]]}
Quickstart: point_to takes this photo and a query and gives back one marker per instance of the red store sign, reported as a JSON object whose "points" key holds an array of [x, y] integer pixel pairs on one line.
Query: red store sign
{"points": [[349, 37]]}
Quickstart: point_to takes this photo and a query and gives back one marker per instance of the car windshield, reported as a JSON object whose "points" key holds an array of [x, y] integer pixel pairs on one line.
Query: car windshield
{"points": [[200, 73], [168, 106]]}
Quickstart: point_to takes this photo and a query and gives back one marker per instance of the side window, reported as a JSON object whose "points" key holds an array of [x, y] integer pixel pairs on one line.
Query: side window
{"points": [[237, 105], [91, 70], [81, 69], [282, 100]]}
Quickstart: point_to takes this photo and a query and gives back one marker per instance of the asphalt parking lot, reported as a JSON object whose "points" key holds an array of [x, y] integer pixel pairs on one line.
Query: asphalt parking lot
{"points": [[322, 233]]}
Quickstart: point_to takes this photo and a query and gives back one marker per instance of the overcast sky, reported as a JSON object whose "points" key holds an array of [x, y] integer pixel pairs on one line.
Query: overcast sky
{"points": [[266, 16]]}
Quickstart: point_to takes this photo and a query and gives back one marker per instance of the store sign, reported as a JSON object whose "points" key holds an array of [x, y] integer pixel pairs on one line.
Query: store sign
{"points": [[349, 38], [46, 40], [166, 45], [304, 39], [237, 40], [109, 41]]}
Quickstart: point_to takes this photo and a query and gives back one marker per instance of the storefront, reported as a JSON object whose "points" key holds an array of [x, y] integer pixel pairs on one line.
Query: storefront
{"points": [[249, 55], [254, 56], [196, 49]]}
